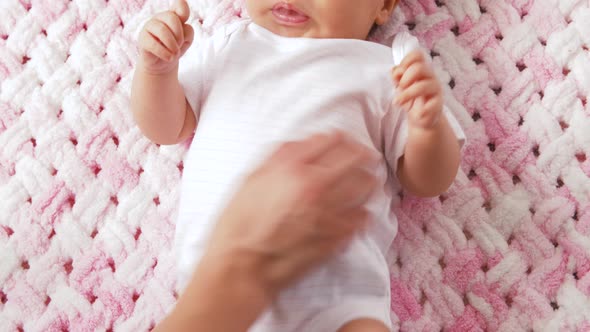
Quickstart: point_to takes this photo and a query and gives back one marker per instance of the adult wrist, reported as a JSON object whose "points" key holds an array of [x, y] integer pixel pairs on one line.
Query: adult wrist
{"points": [[241, 269], [246, 264], [225, 294]]}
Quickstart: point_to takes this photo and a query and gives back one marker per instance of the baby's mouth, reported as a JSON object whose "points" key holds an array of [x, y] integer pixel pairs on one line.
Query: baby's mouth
{"points": [[287, 14]]}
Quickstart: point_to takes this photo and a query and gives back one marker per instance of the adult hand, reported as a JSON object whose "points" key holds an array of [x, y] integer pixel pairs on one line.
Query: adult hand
{"points": [[300, 207], [295, 211]]}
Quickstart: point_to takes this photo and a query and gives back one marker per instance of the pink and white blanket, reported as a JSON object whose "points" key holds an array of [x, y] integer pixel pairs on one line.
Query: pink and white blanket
{"points": [[87, 205]]}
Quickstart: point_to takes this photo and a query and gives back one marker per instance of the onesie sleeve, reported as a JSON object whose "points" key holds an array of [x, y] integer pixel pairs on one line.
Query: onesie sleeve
{"points": [[394, 123], [196, 69], [192, 73]]}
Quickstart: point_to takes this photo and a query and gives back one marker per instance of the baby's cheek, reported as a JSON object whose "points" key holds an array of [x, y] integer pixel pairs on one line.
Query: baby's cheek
{"points": [[339, 22]]}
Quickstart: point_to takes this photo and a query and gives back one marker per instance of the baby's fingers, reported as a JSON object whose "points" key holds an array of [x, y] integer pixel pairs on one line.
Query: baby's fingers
{"points": [[396, 74], [413, 57], [160, 31], [189, 36], [173, 23], [422, 88], [182, 9], [152, 45], [417, 71]]}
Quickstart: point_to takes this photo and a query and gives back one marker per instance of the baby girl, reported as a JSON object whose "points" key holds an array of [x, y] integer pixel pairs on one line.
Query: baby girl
{"points": [[293, 69]]}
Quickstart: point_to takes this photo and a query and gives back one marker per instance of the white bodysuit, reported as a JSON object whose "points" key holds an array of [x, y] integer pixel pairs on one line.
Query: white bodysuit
{"points": [[253, 89]]}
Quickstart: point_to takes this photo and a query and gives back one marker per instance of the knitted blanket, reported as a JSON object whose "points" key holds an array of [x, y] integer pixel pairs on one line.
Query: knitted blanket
{"points": [[87, 205]]}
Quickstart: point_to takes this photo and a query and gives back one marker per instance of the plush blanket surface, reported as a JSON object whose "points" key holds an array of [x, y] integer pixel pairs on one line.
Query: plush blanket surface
{"points": [[87, 205]]}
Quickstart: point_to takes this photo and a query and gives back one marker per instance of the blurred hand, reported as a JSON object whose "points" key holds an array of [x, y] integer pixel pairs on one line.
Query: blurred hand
{"points": [[300, 207], [418, 91], [165, 38]]}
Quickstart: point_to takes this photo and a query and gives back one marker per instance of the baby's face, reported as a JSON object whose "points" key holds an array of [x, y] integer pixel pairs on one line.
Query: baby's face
{"points": [[352, 19]]}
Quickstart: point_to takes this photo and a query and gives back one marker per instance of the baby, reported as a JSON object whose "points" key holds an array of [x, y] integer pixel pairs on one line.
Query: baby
{"points": [[297, 68]]}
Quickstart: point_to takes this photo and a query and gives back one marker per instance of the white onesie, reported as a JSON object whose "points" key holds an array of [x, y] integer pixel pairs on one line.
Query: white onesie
{"points": [[253, 89]]}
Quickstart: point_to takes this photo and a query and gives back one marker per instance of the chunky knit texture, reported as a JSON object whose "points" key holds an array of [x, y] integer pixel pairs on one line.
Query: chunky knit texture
{"points": [[87, 205]]}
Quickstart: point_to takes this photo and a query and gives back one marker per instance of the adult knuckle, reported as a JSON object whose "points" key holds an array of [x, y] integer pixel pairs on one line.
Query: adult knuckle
{"points": [[297, 174], [308, 190]]}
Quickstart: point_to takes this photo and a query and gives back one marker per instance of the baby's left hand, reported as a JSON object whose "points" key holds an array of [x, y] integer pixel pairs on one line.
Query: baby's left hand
{"points": [[418, 91]]}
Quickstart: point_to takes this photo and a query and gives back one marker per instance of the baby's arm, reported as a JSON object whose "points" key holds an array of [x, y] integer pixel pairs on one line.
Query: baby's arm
{"points": [[432, 154], [158, 101]]}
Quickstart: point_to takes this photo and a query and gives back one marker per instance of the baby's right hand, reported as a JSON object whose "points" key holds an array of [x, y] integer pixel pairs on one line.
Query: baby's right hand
{"points": [[165, 38]]}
